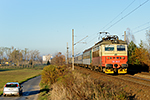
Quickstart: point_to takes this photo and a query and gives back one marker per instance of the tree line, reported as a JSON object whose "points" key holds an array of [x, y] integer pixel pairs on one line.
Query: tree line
{"points": [[19, 57], [139, 55]]}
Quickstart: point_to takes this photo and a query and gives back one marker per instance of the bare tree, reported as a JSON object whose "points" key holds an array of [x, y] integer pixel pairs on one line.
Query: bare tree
{"points": [[26, 55], [40, 59], [7, 52], [2, 53], [148, 39], [130, 37], [59, 59], [19, 56], [16, 56], [34, 56]]}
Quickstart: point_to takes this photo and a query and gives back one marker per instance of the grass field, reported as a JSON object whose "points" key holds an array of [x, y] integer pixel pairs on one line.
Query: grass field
{"points": [[19, 75]]}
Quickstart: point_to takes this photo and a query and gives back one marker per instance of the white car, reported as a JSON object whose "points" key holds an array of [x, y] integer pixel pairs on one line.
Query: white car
{"points": [[12, 88]]}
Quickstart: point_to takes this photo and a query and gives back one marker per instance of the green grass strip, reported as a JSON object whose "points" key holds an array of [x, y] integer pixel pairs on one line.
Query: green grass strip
{"points": [[20, 76]]}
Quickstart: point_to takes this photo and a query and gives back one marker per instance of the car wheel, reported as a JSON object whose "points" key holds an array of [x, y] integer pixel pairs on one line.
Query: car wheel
{"points": [[21, 93], [18, 94]]}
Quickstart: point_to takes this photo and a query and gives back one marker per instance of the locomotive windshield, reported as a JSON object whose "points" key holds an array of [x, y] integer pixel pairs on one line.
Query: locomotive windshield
{"points": [[120, 48], [109, 48]]}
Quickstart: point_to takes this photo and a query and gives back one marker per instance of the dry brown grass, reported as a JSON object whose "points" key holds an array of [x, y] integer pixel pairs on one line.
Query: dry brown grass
{"points": [[76, 86], [61, 83]]}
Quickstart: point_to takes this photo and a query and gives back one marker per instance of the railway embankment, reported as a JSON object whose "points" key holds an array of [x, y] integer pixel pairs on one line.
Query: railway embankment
{"points": [[79, 84], [143, 75], [137, 85]]}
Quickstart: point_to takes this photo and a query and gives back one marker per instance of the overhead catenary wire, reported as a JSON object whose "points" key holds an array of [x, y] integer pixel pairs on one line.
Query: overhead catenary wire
{"points": [[126, 15], [113, 19], [122, 17], [142, 25], [141, 30], [139, 27], [85, 45], [88, 42], [119, 14]]}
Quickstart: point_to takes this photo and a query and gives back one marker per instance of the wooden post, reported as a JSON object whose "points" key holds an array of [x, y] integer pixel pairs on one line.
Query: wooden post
{"points": [[124, 35], [72, 49]]}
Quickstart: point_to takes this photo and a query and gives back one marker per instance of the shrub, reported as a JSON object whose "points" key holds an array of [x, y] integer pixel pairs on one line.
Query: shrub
{"points": [[49, 74], [60, 83], [76, 86]]}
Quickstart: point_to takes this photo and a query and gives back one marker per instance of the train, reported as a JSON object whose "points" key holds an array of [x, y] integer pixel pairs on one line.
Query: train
{"points": [[108, 55]]}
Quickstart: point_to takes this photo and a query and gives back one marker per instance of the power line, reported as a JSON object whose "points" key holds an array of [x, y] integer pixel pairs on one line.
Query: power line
{"points": [[141, 30], [127, 14], [86, 44], [142, 25], [121, 18], [112, 20], [120, 13]]}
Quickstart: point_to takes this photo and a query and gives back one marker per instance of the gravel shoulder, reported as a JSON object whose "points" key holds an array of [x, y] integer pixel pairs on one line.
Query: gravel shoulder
{"points": [[143, 75]]}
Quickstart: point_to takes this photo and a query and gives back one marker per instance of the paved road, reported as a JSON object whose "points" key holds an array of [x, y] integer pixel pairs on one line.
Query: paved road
{"points": [[31, 90]]}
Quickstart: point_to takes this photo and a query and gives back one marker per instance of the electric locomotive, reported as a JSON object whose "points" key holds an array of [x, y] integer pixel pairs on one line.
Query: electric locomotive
{"points": [[108, 55]]}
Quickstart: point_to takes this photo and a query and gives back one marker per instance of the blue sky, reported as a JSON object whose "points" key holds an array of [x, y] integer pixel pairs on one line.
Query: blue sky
{"points": [[46, 25]]}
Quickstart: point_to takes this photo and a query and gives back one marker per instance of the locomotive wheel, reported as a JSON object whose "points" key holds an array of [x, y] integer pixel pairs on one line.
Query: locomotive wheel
{"points": [[100, 69], [103, 69], [92, 68]]}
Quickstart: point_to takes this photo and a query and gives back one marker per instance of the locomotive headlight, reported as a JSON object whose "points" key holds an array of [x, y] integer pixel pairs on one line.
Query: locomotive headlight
{"points": [[123, 57]]}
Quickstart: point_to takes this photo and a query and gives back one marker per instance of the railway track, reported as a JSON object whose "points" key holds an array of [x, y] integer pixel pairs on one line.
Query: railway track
{"points": [[131, 78], [126, 77], [137, 86]]}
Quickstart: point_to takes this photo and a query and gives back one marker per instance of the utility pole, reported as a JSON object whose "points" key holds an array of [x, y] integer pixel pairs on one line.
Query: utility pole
{"points": [[67, 53], [72, 49], [124, 35]]}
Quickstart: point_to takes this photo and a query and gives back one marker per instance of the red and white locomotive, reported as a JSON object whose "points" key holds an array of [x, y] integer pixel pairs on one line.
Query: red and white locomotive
{"points": [[108, 55]]}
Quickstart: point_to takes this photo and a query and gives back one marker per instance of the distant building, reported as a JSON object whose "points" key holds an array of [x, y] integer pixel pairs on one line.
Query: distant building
{"points": [[47, 58]]}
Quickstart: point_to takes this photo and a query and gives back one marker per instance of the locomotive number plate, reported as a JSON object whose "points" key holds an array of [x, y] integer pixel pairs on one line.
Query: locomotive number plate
{"points": [[116, 61]]}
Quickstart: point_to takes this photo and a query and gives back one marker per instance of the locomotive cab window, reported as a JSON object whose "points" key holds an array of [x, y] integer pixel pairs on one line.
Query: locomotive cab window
{"points": [[120, 48], [109, 48]]}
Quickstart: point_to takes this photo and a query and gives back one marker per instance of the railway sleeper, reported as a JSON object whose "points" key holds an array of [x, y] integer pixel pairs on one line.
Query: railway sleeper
{"points": [[89, 67], [96, 67]]}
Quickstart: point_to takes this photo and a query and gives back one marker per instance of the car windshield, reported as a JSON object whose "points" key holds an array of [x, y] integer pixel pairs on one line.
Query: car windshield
{"points": [[11, 85], [120, 48], [109, 48]]}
